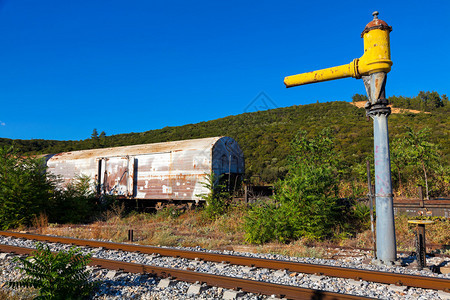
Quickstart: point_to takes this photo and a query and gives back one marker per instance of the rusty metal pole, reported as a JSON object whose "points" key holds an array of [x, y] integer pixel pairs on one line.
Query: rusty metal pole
{"points": [[372, 226], [385, 228], [377, 109]]}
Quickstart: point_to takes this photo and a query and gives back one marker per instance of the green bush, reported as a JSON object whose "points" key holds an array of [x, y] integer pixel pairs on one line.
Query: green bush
{"points": [[75, 203], [170, 211], [25, 189], [62, 275], [28, 190], [217, 200], [306, 203], [260, 223]]}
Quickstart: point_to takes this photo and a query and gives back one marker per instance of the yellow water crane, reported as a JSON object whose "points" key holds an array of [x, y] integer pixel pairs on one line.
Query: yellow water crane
{"points": [[372, 67], [376, 58]]}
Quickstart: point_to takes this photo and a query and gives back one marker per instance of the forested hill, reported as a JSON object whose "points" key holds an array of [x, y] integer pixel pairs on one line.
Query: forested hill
{"points": [[265, 135]]}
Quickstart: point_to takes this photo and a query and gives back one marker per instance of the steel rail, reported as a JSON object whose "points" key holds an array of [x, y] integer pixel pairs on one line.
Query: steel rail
{"points": [[252, 286], [333, 271]]}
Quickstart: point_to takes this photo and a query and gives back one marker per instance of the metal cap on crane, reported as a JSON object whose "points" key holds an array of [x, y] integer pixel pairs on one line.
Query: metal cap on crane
{"points": [[376, 24]]}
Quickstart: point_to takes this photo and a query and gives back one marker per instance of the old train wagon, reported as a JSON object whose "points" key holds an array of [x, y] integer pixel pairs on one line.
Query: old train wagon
{"points": [[160, 171]]}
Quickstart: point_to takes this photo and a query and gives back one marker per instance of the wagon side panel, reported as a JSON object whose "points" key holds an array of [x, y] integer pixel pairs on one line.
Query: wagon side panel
{"points": [[69, 169], [188, 174], [153, 172]]}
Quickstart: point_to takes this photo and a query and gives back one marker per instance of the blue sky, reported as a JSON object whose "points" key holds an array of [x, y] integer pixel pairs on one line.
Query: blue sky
{"points": [[67, 67]]}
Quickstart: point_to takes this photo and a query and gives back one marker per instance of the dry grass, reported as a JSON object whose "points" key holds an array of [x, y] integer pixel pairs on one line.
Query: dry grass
{"points": [[298, 248], [437, 233], [17, 294], [192, 228], [40, 222]]}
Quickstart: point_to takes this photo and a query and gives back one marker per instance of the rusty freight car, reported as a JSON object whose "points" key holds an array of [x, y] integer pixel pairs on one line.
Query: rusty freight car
{"points": [[160, 171]]}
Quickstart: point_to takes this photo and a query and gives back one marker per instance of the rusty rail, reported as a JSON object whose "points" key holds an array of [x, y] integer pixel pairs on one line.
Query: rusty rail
{"points": [[357, 274], [252, 286]]}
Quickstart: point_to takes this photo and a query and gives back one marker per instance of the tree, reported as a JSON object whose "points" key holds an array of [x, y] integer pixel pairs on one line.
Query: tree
{"points": [[78, 198], [445, 100], [25, 189], [359, 98], [414, 149], [94, 134], [102, 139], [430, 100]]}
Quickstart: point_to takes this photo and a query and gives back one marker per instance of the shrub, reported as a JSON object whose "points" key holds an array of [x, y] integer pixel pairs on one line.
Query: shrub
{"points": [[75, 203], [61, 275], [170, 211], [306, 203], [25, 190], [260, 223], [217, 200]]}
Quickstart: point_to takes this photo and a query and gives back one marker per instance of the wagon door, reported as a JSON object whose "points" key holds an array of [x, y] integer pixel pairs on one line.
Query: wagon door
{"points": [[116, 176]]}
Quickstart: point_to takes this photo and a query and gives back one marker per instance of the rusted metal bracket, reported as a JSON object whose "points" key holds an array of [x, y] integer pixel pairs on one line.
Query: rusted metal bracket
{"points": [[375, 85]]}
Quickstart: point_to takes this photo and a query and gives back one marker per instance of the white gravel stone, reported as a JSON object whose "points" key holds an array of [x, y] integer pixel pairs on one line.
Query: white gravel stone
{"points": [[315, 278], [397, 288], [4, 255], [166, 282], [111, 274], [443, 295], [247, 269], [230, 294], [280, 273], [196, 289]]}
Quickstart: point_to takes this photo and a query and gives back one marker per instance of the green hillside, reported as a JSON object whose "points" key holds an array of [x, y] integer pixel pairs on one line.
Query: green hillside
{"points": [[265, 135]]}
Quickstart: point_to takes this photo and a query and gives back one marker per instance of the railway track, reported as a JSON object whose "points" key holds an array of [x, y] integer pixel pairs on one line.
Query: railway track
{"points": [[258, 287], [332, 271]]}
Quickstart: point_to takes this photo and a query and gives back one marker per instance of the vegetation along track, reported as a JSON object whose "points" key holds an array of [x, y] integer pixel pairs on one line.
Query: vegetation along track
{"points": [[358, 274]]}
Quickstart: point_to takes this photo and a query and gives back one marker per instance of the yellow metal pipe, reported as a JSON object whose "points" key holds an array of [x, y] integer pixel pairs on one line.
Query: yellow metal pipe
{"points": [[376, 58], [343, 71]]}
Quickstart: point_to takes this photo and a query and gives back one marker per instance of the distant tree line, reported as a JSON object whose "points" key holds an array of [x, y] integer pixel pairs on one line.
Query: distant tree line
{"points": [[424, 101]]}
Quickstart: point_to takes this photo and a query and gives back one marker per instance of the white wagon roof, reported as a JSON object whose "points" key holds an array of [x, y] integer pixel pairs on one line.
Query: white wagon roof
{"points": [[194, 144]]}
